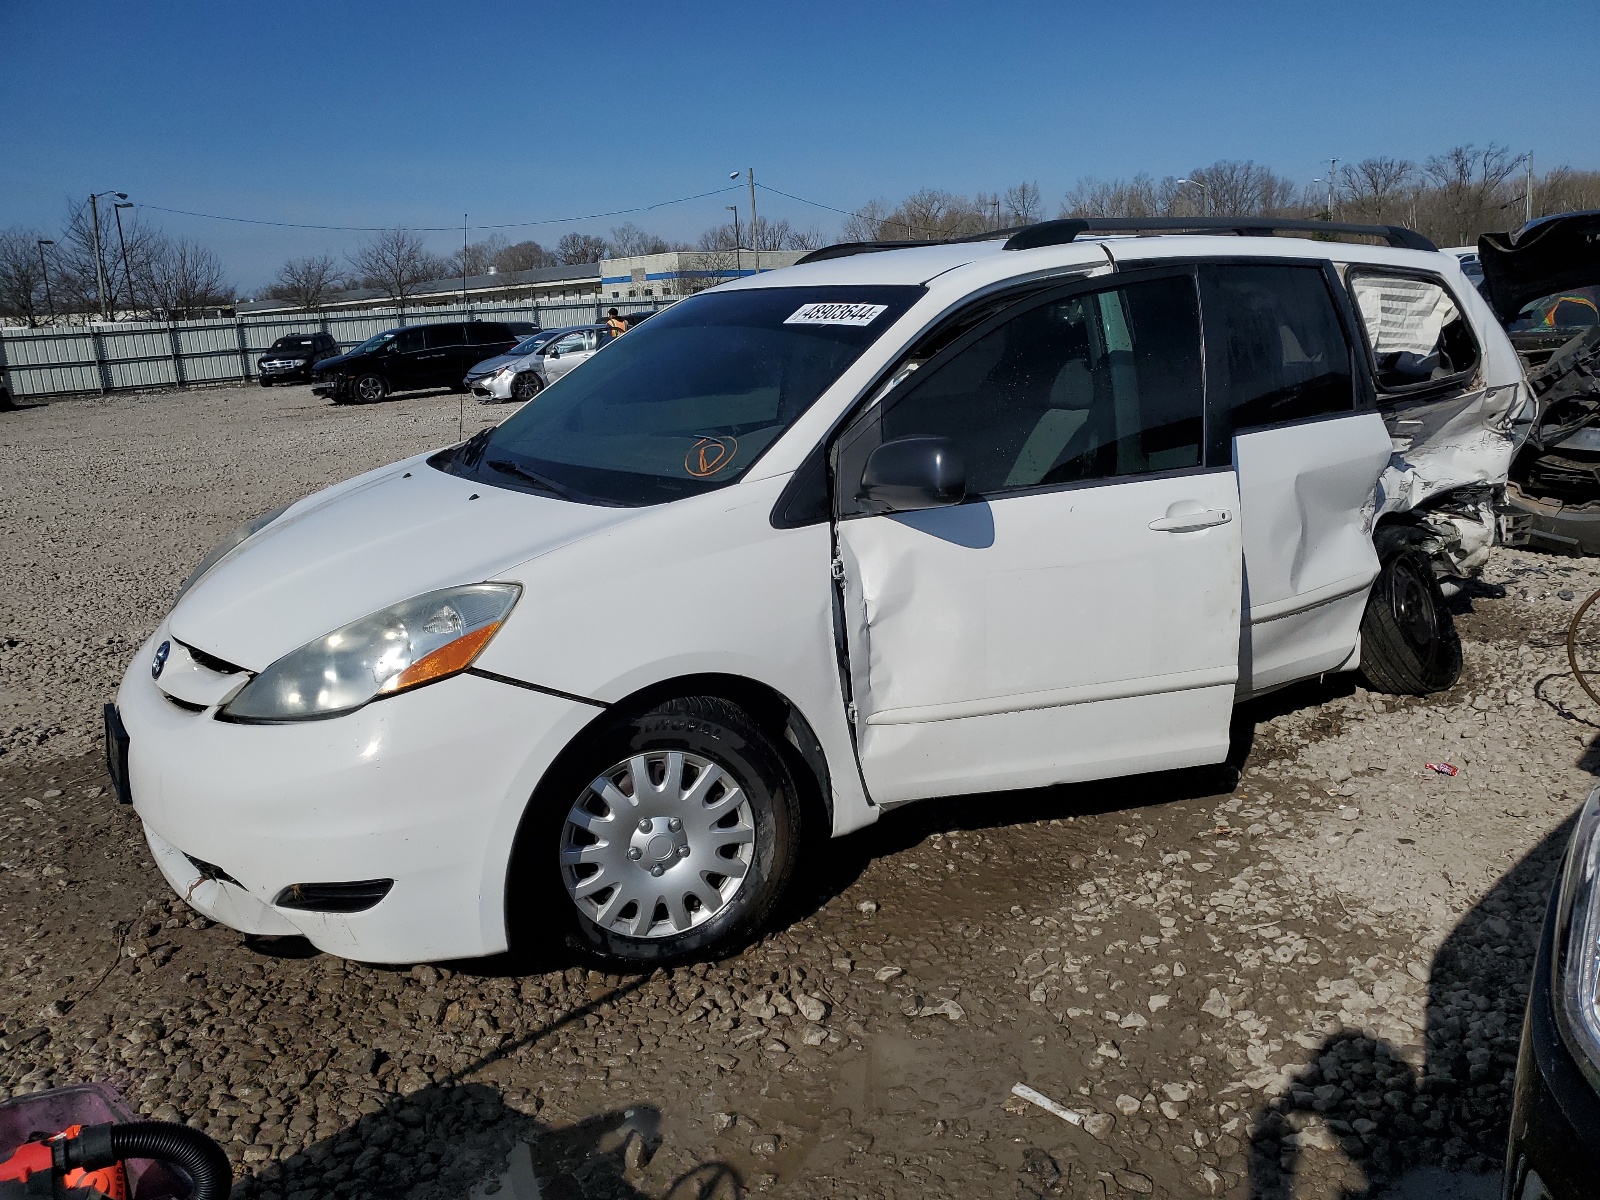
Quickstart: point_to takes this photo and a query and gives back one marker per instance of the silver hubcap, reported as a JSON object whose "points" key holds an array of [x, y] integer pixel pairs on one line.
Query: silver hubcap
{"points": [[369, 389], [657, 844]]}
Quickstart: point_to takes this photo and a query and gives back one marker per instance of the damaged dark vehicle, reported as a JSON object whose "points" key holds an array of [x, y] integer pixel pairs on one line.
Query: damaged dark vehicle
{"points": [[1543, 283]]}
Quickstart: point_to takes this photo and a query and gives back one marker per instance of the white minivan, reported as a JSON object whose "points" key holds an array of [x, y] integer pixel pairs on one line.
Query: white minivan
{"points": [[894, 523]]}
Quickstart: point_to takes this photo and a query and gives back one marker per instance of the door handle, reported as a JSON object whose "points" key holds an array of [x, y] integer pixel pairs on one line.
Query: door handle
{"points": [[1189, 521]]}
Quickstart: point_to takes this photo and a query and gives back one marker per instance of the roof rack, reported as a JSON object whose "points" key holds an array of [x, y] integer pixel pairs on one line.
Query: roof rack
{"points": [[1068, 229]]}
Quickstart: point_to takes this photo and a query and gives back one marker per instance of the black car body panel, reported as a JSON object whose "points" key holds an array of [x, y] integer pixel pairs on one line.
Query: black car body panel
{"points": [[414, 357], [1552, 1151], [294, 357], [1543, 282]]}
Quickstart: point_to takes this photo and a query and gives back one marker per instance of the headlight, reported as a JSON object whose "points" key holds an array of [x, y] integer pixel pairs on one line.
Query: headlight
{"points": [[227, 545], [1576, 965], [417, 641], [510, 369], [299, 362]]}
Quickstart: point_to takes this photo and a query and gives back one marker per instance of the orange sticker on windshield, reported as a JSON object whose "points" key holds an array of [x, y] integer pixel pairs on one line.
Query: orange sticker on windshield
{"points": [[709, 455]]}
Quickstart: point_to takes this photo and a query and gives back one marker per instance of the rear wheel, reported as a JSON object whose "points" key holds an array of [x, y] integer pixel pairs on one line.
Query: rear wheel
{"points": [[1409, 644], [369, 388], [670, 834], [526, 386]]}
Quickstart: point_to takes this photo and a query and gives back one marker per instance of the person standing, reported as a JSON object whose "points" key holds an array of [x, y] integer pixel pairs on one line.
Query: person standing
{"points": [[616, 324]]}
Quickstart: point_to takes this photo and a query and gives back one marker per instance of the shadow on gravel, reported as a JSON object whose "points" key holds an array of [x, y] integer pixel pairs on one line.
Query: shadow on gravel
{"points": [[459, 1140], [1391, 1119]]}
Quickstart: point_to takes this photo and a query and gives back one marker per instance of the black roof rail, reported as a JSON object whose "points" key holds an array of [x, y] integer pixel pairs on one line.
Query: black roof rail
{"points": [[846, 249], [1057, 233]]}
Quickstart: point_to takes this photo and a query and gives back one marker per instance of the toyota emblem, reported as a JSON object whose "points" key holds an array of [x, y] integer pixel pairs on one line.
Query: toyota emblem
{"points": [[159, 662]]}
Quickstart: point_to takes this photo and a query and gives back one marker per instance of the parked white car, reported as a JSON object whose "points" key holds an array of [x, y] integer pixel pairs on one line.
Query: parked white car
{"points": [[887, 525], [535, 363]]}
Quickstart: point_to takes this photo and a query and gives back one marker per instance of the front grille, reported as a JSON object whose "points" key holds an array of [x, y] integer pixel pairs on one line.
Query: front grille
{"points": [[334, 897], [210, 661], [187, 705]]}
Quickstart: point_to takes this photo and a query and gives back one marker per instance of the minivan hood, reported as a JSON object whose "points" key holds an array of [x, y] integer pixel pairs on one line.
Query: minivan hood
{"points": [[1548, 256], [337, 361], [396, 534]]}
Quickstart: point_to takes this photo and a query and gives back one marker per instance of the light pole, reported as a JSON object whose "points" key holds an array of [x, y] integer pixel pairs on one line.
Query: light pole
{"points": [[738, 249], [1205, 207], [755, 228], [127, 272], [99, 260], [44, 267]]}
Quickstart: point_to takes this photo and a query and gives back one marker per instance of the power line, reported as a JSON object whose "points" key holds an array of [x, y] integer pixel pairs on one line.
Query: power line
{"points": [[883, 221], [437, 228]]}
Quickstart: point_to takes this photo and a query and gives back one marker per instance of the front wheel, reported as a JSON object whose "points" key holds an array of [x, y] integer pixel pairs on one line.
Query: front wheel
{"points": [[526, 386], [669, 834], [265, 382], [1409, 644], [369, 388]]}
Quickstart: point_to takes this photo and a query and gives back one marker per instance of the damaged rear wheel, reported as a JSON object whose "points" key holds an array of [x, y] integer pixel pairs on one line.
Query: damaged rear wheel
{"points": [[1408, 637]]}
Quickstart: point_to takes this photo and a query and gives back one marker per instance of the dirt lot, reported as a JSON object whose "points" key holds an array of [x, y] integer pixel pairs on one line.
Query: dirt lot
{"points": [[1303, 977]]}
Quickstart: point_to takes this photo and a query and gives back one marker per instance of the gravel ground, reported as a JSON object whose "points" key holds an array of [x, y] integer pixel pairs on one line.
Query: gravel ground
{"points": [[1298, 976]]}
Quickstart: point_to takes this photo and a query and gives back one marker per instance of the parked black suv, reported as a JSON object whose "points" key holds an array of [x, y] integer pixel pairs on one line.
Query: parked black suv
{"points": [[292, 358], [410, 359]]}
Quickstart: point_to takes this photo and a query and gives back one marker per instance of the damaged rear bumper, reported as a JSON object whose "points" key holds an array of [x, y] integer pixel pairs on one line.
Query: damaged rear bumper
{"points": [[1550, 524]]}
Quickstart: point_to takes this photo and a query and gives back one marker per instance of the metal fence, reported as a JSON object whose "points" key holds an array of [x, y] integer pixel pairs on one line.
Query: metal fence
{"points": [[127, 355]]}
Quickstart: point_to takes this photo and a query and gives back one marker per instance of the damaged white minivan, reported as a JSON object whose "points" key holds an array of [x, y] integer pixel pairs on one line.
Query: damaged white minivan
{"points": [[897, 522]]}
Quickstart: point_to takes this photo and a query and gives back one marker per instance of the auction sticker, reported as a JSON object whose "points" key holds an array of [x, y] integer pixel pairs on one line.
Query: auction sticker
{"points": [[836, 314]]}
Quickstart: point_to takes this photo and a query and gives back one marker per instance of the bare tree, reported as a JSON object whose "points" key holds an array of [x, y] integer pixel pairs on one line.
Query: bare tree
{"points": [[307, 282], [575, 248], [396, 262], [21, 276], [1469, 195], [478, 257], [628, 239], [1378, 189], [1022, 205], [1136, 197], [184, 278], [524, 256], [1562, 189]]}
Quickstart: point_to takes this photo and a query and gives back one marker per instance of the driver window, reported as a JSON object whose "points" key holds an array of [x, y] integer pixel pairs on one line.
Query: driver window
{"points": [[1094, 386], [407, 341]]}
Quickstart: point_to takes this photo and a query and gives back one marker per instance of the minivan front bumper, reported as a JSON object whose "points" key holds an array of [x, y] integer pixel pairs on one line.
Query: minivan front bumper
{"points": [[425, 789]]}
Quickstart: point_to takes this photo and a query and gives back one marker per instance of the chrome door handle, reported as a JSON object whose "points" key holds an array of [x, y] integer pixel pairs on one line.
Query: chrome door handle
{"points": [[1187, 522]]}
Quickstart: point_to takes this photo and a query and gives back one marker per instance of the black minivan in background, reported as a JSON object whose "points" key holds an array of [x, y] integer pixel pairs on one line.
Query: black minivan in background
{"points": [[410, 359]]}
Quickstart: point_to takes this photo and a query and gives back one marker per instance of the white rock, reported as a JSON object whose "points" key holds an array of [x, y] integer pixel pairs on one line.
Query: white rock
{"points": [[1126, 1104]]}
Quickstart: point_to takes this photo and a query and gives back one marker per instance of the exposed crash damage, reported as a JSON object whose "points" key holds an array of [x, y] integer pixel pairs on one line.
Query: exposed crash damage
{"points": [[1543, 283]]}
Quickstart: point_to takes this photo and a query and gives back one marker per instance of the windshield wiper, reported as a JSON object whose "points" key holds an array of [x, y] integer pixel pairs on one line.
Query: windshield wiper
{"points": [[550, 486]]}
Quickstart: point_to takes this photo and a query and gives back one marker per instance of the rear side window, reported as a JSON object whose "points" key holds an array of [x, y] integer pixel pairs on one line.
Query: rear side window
{"points": [[1091, 386], [440, 336], [1418, 335], [1276, 350], [485, 334]]}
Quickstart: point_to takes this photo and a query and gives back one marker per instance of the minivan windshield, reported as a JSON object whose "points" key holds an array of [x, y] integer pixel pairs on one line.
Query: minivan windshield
{"points": [[373, 342], [686, 402]]}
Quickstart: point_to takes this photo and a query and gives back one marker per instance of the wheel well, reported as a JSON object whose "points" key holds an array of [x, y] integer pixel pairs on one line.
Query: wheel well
{"points": [[773, 712]]}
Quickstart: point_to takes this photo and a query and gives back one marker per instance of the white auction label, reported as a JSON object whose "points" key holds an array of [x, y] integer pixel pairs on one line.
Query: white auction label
{"points": [[836, 314]]}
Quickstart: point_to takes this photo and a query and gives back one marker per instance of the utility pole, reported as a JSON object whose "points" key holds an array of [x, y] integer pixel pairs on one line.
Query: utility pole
{"points": [[464, 265], [738, 249], [127, 272], [755, 227], [1333, 167], [44, 267], [99, 263], [1527, 191]]}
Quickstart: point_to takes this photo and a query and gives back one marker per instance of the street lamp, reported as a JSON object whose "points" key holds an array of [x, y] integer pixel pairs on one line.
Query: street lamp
{"points": [[127, 273], [1206, 203], [99, 262], [755, 234], [43, 266]]}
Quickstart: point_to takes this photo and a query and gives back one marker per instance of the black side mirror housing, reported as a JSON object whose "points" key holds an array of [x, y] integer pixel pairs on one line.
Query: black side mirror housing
{"points": [[912, 473]]}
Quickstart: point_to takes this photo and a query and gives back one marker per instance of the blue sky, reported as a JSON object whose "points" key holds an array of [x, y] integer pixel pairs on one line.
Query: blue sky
{"points": [[407, 113]]}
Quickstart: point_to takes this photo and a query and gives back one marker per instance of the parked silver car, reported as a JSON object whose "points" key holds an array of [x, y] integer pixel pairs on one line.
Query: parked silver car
{"points": [[534, 363]]}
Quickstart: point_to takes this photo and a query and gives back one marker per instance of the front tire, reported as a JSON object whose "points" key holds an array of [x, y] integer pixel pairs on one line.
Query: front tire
{"points": [[668, 834], [526, 386], [369, 389], [1409, 645], [265, 382]]}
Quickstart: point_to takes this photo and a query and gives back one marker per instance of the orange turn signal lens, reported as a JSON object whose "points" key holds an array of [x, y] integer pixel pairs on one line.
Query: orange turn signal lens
{"points": [[446, 660]]}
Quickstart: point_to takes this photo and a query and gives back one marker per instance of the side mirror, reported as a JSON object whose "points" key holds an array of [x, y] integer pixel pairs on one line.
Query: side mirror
{"points": [[912, 473]]}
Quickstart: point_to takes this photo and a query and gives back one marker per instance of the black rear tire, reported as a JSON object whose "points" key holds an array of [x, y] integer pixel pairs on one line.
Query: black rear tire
{"points": [[538, 902], [1409, 645]]}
